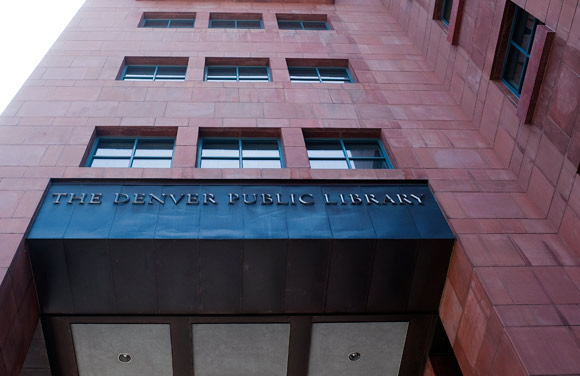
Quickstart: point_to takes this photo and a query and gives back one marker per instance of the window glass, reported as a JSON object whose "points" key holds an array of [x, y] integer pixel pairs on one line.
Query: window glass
{"points": [[155, 23], [154, 73], [289, 25], [314, 25], [182, 23], [329, 164], [236, 153], [343, 154], [518, 49], [446, 11], [225, 24], [115, 148], [132, 152], [319, 74], [249, 24], [220, 149], [237, 73], [302, 74], [168, 23]]}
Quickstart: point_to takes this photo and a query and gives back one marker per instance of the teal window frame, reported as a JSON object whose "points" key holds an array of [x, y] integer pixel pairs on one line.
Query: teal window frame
{"points": [[349, 159], [303, 25], [240, 148], [235, 23], [446, 11], [320, 77], [155, 75], [238, 77], [515, 51], [134, 153], [172, 23]]}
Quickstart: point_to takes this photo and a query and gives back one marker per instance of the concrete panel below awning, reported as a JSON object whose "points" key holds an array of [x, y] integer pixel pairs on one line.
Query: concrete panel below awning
{"points": [[144, 276]]}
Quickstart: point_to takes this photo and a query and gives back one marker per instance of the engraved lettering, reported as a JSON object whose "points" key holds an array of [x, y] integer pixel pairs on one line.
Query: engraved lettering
{"points": [[96, 198], [209, 198], [153, 197], [121, 198], [342, 200], [327, 200], [388, 199], [139, 199], [72, 197], [244, 195], [403, 199], [292, 199], [233, 198], [279, 200], [303, 201], [192, 199], [176, 201], [371, 199], [58, 197], [419, 198], [355, 199], [267, 199]]}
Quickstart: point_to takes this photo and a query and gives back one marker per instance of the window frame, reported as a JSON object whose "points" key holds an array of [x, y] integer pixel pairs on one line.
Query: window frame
{"points": [[235, 20], [240, 156], [446, 7], [169, 21], [320, 81], [132, 157], [302, 24], [154, 76], [385, 157], [518, 12], [207, 66]]}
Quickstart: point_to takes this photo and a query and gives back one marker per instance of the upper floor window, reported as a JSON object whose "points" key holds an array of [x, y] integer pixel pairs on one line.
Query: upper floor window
{"points": [[346, 154], [132, 152], [233, 73], [518, 49], [168, 20], [239, 153], [302, 21], [235, 21], [319, 74], [446, 11], [154, 73]]}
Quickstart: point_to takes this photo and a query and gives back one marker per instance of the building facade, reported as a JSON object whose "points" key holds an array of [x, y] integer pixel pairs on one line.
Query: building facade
{"points": [[276, 119]]}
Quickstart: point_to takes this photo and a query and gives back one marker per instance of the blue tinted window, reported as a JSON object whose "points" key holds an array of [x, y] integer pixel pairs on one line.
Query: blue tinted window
{"points": [[132, 152], [239, 153], [346, 154]]}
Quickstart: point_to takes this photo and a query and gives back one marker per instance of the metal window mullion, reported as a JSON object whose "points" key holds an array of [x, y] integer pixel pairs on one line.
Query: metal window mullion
{"points": [[532, 35], [519, 48], [133, 152], [344, 152], [240, 154], [302, 25], [168, 24], [155, 72], [237, 73], [318, 74], [523, 74]]}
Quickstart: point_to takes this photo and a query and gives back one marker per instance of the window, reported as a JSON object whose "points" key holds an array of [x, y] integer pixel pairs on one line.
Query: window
{"points": [[320, 74], [132, 152], [446, 11], [293, 21], [154, 73], [240, 153], [518, 50], [224, 73], [235, 21], [345, 154], [168, 20]]}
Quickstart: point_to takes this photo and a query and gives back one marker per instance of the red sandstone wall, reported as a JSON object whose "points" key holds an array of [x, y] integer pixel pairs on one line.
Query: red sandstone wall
{"points": [[512, 301], [530, 285]]}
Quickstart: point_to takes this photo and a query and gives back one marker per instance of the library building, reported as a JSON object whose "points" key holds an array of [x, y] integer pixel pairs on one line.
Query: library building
{"points": [[296, 187]]}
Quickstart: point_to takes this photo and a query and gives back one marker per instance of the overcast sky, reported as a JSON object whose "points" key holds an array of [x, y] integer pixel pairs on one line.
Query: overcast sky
{"points": [[27, 30]]}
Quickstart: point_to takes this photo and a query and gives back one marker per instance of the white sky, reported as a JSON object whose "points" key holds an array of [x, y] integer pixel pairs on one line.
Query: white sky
{"points": [[28, 29]]}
